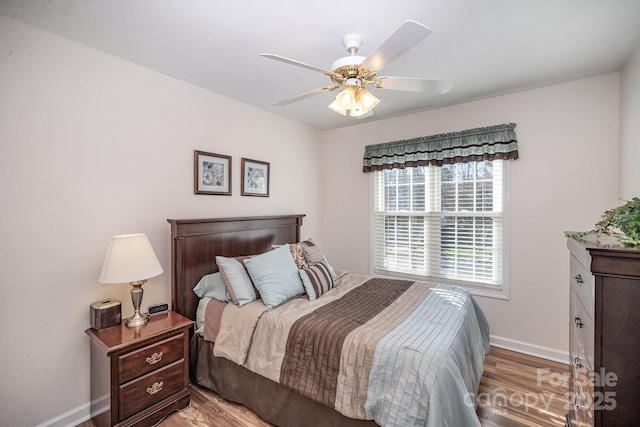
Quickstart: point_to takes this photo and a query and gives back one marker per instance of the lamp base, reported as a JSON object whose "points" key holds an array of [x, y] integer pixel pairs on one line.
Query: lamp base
{"points": [[138, 319]]}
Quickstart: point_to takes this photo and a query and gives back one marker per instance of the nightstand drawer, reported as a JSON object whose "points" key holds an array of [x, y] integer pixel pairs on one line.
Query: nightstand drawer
{"points": [[152, 357], [151, 388]]}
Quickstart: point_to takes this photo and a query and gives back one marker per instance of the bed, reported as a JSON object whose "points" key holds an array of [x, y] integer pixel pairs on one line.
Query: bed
{"points": [[365, 352]]}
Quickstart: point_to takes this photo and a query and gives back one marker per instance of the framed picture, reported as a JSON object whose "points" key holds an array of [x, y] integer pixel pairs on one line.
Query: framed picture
{"points": [[212, 173], [255, 178]]}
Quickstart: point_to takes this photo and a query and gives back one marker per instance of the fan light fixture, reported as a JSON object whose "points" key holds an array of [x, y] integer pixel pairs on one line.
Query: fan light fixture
{"points": [[355, 99]]}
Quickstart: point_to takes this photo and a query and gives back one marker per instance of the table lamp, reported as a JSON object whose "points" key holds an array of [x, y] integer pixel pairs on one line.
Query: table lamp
{"points": [[131, 259]]}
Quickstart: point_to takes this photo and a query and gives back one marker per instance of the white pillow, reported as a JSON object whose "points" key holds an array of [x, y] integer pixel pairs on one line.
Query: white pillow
{"points": [[236, 280], [275, 275], [201, 311]]}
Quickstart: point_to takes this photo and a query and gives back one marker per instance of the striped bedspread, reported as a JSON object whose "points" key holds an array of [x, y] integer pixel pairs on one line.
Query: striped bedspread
{"points": [[399, 352]]}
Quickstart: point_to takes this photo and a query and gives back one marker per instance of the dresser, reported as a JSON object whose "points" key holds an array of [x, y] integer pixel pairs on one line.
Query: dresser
{"points": [[604, 389], [141, 374]]}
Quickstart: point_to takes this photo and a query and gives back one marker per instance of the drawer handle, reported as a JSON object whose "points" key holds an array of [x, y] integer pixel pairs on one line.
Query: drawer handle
{"points": [[578, 322], [577, 402], [154, 358], [579, 279], [582, 406], [155, 388]]}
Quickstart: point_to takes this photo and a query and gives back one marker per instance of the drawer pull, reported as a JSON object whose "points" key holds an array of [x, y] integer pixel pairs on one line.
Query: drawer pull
{"points": [[579, 279], [154, 358], [578, 322], [582, 406], [156, 387], [578, 402]]}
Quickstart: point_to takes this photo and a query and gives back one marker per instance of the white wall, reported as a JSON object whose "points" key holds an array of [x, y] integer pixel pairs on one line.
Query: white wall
{"points": [[630, 128], [565, 178], [92, 146]]}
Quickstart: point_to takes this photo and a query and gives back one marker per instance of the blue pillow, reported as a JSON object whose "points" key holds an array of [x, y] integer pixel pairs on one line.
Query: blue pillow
{"points": [[212, 286], [275, 275], [236, 280]]}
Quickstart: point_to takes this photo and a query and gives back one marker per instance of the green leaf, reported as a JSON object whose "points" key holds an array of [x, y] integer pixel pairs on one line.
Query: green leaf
{"points": [[622, 222]]}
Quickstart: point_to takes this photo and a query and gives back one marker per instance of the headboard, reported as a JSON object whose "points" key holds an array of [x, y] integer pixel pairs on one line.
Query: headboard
{"points": [[196, 242]]}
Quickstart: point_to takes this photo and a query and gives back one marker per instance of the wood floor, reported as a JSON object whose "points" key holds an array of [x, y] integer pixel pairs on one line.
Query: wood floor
{"points": [[520, 390], [515, 390]]}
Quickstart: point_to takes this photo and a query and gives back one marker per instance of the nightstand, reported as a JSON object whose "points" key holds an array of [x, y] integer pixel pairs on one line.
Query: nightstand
{"points": [[140, 374]]}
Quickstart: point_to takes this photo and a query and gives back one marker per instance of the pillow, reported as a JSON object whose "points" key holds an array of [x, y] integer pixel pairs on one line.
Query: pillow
{"points": [[296, 253], [276, 276], [236, 280], [241, 259], [316, 280], [212, 286], [200, 314], [314, 255]]}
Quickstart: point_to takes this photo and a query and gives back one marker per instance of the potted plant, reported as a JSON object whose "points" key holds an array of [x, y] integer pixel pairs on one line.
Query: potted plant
{"points": [[622, 222]]}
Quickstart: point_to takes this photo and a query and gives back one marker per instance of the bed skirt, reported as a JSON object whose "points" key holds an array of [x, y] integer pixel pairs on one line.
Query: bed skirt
{"points": [[271, 401]]}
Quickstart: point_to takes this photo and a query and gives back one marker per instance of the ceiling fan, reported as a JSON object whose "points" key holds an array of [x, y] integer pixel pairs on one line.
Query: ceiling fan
{"points": [[353, 73]]}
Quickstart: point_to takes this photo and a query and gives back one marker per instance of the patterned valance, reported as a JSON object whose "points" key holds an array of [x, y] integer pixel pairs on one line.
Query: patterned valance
{"points": [[488, 143]]}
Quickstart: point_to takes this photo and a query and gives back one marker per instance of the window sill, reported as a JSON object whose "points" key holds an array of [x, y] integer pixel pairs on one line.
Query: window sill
{"points": [[502, 294]]}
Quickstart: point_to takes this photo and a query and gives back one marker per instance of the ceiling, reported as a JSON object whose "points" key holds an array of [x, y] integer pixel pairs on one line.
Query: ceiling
{"points": [[486, 47]]}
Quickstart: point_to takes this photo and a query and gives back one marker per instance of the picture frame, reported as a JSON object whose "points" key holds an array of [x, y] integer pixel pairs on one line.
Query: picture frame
{"points": [[255, 178], [212, 173]]}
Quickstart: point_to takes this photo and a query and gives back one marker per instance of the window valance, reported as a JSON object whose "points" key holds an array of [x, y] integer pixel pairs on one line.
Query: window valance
{"points": [[487, 143]]}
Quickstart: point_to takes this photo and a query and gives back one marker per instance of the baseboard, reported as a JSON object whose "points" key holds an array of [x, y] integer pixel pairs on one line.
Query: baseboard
{"points": [[70, 418], [531, 349]]}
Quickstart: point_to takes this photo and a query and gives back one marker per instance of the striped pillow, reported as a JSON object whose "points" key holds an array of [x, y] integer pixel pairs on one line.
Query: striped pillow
{"points": [[316, 279], [313, 254]]}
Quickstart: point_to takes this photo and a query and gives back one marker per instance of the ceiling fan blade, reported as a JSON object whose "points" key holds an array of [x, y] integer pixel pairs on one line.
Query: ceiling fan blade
{"points": [[298, 63], [305, 95], [401, 40], [414, 84]]}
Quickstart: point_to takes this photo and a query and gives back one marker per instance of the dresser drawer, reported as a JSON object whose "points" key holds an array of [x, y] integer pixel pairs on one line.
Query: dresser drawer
{"points": [[151, 388], [583, 330], [583, 409], [583, 283], [149, 358]]}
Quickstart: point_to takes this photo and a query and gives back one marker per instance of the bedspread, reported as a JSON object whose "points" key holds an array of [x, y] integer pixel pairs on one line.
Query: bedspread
{"points": [[399, 352]]}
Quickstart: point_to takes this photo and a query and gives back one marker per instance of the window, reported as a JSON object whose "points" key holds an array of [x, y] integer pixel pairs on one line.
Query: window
{"points": [[443, 223]]}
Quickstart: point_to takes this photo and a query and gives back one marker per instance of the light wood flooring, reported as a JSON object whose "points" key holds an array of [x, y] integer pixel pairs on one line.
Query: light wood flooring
{"points": [[516, 390]]}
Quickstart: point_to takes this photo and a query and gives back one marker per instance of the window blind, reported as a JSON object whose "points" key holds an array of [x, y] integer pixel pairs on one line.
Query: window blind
{"points": [[439, 206], [441, 222]]}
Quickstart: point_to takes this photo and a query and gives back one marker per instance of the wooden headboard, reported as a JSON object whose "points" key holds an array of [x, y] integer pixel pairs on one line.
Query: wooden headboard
{"points": [[195, 243]]}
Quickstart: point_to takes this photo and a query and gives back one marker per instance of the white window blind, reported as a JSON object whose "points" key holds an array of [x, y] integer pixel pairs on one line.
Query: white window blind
{"points": [[442, 223]]}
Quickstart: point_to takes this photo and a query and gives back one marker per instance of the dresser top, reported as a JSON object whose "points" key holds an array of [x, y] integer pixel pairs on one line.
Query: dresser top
{"points": [[605, 255], [603, 242]]}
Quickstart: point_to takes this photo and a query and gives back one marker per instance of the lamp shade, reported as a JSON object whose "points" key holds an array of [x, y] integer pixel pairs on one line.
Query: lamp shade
{"points": [[130, 258]]}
